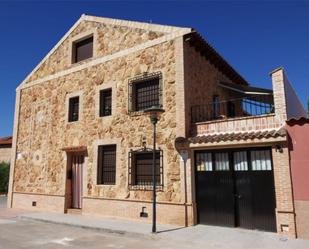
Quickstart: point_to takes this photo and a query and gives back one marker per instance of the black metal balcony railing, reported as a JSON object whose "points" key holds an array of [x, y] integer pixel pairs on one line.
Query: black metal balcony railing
{"points": [[234, 108]]}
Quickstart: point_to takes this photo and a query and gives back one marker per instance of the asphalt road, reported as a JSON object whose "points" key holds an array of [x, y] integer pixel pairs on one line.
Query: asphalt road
{"points": [[15, 234]]}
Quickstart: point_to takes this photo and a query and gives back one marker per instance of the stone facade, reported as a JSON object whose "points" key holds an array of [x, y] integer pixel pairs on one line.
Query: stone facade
{"points": [[43, 130], [124, 50], [122, 37]]}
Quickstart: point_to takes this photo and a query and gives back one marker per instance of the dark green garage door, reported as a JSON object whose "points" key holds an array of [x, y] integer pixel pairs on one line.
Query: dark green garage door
{"points": [[236, 188]]}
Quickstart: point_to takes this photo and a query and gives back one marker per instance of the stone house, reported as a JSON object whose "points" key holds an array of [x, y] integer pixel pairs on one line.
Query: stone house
{"points": [[5, 149], [82, 141]]}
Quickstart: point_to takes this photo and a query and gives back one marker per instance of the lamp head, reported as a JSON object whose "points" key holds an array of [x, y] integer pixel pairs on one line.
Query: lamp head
{"points": [[154, 112]]}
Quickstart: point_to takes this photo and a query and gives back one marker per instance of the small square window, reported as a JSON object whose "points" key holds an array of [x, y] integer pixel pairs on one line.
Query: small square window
{"points": [[105, 102], [82, 50], [73, 109]]}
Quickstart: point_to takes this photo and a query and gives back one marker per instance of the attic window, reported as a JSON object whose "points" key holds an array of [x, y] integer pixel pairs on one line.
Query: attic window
{"points": [[82, 49]]}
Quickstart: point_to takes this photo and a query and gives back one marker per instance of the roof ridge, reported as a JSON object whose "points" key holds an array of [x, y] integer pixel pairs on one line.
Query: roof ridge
{"points": [[135, 24]]}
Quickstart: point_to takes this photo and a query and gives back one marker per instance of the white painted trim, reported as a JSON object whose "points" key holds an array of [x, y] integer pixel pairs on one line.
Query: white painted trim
{"points": [[81, 36], [106, 58], [80, 109], [135, 24]]}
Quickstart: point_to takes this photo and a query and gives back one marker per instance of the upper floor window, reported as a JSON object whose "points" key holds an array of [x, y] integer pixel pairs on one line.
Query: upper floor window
{"points": [[107, 165], [73, 109], [105, 102], [145, 91], [82, 50]]}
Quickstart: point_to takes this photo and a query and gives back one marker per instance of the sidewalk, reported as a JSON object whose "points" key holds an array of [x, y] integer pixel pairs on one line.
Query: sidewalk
{"points": [[211, 237], [104, 224]]}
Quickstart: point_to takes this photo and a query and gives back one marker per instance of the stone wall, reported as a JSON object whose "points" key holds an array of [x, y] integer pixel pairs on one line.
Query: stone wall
{"points": [[44, 131], [108, 39]]}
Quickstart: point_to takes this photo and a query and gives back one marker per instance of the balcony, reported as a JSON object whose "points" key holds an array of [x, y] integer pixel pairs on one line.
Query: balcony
{"points": [[233, 108], [248, 112]]}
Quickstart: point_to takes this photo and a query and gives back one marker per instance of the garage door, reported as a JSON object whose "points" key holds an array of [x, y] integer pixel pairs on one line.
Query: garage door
{"points": [[236, 188]]}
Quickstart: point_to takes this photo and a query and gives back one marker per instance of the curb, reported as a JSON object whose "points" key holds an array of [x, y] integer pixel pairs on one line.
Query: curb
{"points": [[101, 229]]}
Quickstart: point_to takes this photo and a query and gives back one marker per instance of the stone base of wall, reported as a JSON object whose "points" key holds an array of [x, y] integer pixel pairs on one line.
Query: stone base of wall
{"points": [[167, 213], [286, 224], [302, 219], [48, 203]]}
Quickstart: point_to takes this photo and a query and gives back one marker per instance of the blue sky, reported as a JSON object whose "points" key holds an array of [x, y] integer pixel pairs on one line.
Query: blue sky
{"points": [[254, 37]]}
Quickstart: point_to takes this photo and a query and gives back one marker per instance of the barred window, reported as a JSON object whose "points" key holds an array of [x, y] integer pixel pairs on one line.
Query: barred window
{"points": [[140, 169], [105, 102], [107, 165], [73, 109], [145, 92]]}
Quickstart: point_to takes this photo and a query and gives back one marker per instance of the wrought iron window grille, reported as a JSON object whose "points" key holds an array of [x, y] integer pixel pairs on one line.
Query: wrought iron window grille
{"points": [[106, 165], [141, 178], [145, 90]]}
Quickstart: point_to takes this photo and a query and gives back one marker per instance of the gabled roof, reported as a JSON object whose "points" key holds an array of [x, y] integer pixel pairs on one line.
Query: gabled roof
{"points": [[110, 21], [6, 140], [298, 121], [201, 45], [194, 38]]}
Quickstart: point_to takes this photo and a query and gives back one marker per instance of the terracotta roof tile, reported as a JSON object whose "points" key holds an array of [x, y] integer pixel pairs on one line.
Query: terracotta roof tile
{"points": [[6, 140], [223, 137]]}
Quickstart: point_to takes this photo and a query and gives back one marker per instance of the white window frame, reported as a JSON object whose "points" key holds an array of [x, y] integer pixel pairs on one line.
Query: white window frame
{"points": [[96, 144], [80, 37], [67, 106], [105, 86]]}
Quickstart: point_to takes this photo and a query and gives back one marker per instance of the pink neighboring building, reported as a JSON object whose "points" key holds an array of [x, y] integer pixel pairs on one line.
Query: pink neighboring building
{"points": [[298, 131]]}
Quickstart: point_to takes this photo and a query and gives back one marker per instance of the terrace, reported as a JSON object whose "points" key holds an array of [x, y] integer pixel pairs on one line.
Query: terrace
{"points": [[250, 109]]}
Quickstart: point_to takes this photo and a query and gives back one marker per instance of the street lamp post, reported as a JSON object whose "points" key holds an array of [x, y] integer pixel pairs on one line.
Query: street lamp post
{"points": [[154, 113]]}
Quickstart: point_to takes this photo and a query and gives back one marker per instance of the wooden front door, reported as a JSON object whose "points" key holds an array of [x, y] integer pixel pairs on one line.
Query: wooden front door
{"points": [[77, 180]]}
